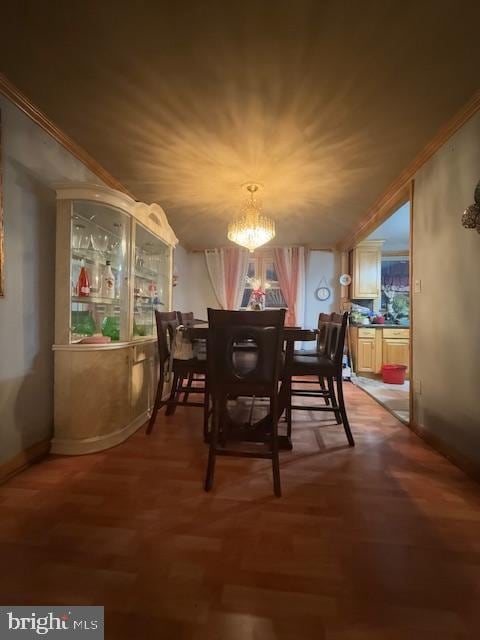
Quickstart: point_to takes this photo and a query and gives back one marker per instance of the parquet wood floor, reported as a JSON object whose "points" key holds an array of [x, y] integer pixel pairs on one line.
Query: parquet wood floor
{"points": [[379, 541]]}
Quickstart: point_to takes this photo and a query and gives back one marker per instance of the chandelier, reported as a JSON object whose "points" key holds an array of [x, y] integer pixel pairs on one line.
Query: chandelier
{"points": [[252, 229]]}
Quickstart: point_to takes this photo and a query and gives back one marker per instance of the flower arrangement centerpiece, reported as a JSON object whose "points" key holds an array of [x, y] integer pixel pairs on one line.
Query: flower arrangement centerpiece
{"points": [[257, 297]]}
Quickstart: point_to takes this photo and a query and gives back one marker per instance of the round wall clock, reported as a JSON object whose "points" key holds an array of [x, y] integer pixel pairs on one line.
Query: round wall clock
{"points": [[345, 279], [322, 293]]}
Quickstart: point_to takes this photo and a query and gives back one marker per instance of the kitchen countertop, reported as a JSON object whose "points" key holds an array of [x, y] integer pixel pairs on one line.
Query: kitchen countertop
{"points": [[380, 326]]}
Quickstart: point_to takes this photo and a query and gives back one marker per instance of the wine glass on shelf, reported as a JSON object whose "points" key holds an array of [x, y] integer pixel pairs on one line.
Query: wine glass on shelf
{"points": [[115, 241], [80, 235], [139, 260], [100, 240]]}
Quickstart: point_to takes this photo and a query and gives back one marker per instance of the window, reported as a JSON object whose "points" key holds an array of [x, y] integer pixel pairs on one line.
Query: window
{"points": [[395, 277], [262, 273]]}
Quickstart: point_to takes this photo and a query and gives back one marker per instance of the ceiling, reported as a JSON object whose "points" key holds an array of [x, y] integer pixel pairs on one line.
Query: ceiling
{"points": [[324, 102], [395, 231]]}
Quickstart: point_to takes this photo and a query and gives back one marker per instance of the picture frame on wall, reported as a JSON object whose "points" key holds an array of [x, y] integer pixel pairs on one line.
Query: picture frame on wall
{"points": [[2, 239]]}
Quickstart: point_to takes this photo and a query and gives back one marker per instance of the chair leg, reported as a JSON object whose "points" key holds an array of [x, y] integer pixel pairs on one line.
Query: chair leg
{"points": [[212, 452], [206, 412], [156, 406], [223, 424], [189, 384], [333, 399], [321, 380], [288, 410], [277, 488], [343, 411], [174, 393]]}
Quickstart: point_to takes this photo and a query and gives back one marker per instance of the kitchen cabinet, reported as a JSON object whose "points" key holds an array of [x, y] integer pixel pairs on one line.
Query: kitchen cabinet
{"points": [[113, 270], [396, 346], [367, 350], [366, 270], [371, 347]]}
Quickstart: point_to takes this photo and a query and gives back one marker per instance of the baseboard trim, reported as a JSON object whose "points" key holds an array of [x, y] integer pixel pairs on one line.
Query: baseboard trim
{"points": [[23, 460], [73, 447], [472, 470]]}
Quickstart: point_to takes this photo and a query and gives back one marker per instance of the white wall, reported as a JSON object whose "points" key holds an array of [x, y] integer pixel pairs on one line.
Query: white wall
{"points": [[32, 162], [446, 314], [321, 264], [194, 291], [181, 293], [201, 290]]}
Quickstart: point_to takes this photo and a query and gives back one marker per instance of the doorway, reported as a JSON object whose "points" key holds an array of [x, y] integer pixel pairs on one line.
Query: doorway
{"points": [[381, 329]]}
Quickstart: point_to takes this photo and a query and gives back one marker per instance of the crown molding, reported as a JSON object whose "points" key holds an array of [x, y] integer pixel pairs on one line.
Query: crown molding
{"points": [[399, 190], [20, 100]]}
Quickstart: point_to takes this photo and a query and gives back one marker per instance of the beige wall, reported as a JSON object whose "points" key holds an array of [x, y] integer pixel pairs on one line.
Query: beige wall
{"points": [[446, 258], [32, 163]]}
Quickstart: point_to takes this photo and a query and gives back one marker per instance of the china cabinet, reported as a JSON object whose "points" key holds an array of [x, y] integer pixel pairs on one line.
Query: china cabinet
{"points": [[113, 269]]}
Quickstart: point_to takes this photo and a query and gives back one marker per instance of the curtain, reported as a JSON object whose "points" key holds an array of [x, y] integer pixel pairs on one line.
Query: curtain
{"points": [[227, 269], [301, 287], [290, 266]]}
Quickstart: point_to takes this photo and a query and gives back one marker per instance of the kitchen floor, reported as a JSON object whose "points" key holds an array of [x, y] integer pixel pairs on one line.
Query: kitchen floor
{"points": [[394, 397]]}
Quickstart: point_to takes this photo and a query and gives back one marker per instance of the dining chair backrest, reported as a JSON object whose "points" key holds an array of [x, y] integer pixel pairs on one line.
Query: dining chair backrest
{"points": [[323, 333], [232, 370], [336, 340], [167, 322], [186, 318]]}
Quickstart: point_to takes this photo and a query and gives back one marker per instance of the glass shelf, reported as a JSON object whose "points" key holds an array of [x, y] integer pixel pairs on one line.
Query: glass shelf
{"points": [[146, 275], [94, 300], [99, 262], [152, 267], [123, 266]]}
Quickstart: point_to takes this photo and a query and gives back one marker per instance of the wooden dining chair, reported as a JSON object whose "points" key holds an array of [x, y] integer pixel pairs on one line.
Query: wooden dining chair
{"points": [[323, 329], [328, 366], [167, 323], [234, 372], [187, 319]]}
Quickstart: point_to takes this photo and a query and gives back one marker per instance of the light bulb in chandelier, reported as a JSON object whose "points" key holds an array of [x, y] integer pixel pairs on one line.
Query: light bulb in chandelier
{"points": [[252, 229]]}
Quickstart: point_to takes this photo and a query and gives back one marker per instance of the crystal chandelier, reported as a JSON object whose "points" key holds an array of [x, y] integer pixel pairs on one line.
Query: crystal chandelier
{"points": [[252, 229]]}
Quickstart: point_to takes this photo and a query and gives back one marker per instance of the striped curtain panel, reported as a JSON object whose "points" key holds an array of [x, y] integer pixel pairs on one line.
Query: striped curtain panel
{"points": [[290, 266], [227, 269]]}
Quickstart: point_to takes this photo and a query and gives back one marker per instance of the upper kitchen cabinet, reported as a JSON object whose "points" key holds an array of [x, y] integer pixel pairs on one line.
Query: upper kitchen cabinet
{"points": [[367, 270]]}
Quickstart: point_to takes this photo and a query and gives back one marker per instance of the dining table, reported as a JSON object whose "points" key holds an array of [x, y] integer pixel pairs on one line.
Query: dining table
{"points": [[260, 431]]}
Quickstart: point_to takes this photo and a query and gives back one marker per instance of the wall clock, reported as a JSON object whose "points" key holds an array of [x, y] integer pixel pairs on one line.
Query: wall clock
{"points": [[345, 279], [322, 293]]}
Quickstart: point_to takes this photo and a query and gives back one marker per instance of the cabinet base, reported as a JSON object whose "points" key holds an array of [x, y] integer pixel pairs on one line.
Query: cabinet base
{"points": [[72, 447]]}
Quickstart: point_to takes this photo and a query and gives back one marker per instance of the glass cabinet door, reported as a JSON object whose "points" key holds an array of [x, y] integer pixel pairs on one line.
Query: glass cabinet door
{"points": [[151, 282], [99, 271]]}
